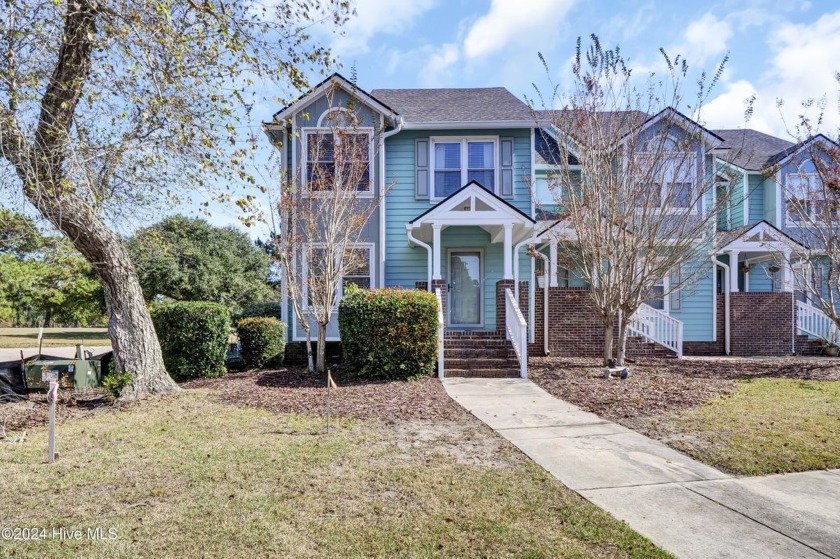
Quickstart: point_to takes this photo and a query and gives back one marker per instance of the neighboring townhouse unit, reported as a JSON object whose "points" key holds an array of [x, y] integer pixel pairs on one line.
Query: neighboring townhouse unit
{"points": [[464, 174]]}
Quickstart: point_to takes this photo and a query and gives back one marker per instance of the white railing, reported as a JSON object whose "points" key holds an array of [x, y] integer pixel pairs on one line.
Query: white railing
{"points": [[441, 331], [814, 322], [517, 331], [657, 327]]}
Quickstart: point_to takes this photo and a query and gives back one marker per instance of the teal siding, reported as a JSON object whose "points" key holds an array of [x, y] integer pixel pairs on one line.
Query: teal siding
{"points": [[761, 280], [697, 311], [470, 238], [405, 265], [756, 199], [737, 203], [771, 200]]}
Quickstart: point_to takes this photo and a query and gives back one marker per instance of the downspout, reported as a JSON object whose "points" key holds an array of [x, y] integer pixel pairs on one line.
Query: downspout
{"points": [[516, 267], [727, 271], [533, 252], [382, 138], [412, 239]]}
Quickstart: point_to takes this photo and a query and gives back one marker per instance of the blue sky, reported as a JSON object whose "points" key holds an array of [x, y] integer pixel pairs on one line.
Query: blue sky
{"points": [[777, 49]]}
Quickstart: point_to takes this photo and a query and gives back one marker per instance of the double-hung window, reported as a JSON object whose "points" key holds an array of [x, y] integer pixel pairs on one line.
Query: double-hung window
{"points": [[671, 185], [458, 161], [338, 158], [805, 198], [357, 269]]}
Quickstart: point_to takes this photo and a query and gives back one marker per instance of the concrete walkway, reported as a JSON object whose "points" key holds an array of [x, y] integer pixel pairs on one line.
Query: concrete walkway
{"points": [[688, 508]]}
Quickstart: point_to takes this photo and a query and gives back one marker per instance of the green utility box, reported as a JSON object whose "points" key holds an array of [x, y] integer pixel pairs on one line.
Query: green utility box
{"points": [[76, 374]]}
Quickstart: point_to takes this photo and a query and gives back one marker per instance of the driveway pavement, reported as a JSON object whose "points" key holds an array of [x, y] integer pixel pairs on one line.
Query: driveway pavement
{"points": [[684, 506]]}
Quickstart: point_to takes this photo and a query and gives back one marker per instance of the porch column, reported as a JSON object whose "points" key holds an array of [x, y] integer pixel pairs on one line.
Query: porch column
{"points": [[508, 258], [552, 262], [436, 251], [733, 270], [787, 272]]}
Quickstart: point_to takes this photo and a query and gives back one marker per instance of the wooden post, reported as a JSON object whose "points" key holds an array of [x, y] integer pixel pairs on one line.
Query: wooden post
{"points": [[52, 396]]}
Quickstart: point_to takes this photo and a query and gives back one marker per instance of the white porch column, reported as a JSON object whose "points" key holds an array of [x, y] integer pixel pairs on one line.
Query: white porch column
{"points": [[787, 272], [508, 259], [552, 262], [436, 251], [733, 270]]}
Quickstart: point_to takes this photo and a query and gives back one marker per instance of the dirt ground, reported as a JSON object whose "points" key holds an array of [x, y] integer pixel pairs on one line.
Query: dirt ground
{"points": [[659, 387]]}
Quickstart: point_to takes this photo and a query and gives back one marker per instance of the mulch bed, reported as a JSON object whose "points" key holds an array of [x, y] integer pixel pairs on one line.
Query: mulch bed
{"points": [[662, 386], [19, 414], [297, 391]]}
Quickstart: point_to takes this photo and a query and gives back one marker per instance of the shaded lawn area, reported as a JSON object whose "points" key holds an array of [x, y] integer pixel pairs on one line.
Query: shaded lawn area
{"points": [[744, 416], [190, 475], [53, 337]]}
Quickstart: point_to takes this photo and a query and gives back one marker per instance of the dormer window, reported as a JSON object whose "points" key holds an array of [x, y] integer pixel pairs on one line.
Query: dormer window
{"points": [[457, 161]]}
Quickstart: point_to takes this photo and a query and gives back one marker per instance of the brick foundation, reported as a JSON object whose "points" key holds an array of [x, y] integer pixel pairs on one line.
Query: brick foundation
{"points": [[761, 323], [296, 353], [501, 317], [574, 329], [421, 285]]}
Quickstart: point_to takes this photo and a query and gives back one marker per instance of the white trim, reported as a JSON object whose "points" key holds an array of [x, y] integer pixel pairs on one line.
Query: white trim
{"points": [[533, 173], [326, 113], [482, 278], [306, 131], [324, 88], [464, 141]]}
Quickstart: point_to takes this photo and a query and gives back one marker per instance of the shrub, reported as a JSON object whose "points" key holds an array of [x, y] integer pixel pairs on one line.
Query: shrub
{"points": [[262, 340], [269, 309], [114, 383], [388, 333], [194, 338]]}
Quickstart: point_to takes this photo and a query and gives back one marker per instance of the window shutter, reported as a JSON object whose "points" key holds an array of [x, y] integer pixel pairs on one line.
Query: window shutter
{"points": [[506, 167], [676, 296], [421, 164]]}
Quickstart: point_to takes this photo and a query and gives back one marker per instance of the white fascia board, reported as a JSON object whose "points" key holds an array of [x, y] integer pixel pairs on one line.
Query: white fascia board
{"points": [[472, 125]]}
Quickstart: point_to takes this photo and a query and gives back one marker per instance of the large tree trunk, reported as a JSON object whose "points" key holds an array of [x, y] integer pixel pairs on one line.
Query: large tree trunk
{"points": [[136, 347], [622, 342], [608, 342]]}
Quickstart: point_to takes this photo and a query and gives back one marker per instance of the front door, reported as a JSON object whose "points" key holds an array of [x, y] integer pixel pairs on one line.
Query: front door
{"points": [[466, 288]]}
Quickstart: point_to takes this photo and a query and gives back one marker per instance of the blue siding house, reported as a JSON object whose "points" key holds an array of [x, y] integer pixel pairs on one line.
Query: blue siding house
{"points": [[460, 178]]}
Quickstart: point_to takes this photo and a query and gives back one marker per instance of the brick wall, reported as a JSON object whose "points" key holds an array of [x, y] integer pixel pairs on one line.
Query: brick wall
{"points": [[296, 353], [761, 323], [421, 285], [574, 329]]}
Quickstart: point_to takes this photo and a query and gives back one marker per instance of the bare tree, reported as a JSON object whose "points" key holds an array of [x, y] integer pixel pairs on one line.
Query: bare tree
{"points": [[633, 184], [110, 106], [324, 207]]}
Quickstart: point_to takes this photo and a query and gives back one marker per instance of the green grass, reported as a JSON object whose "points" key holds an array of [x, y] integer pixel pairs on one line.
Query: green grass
{"points": [[766, 426], [185, 476], [53, 337]]}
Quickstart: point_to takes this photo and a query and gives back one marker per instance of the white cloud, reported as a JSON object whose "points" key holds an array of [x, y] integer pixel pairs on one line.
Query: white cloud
{"points": [[705, 39], [374, 17], [439, 62], [802, 66], [513, 21]]}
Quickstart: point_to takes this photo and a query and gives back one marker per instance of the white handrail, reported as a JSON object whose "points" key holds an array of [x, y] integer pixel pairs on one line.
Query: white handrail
{"points": [[657, 327], [517, 331], [816, 323], [441, 331]]}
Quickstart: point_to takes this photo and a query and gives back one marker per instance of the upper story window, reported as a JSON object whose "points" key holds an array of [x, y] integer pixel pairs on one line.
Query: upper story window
{"points": [[338, 157], [805, 198], [671, 183], [457, 161]]}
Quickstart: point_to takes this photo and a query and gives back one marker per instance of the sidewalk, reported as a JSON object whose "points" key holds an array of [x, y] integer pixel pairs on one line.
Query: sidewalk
{"points": [[688, 508]]}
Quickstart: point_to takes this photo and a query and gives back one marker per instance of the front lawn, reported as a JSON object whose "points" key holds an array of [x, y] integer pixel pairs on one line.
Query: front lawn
{"points": [[53, 337], [189, 475], [744, 416]]}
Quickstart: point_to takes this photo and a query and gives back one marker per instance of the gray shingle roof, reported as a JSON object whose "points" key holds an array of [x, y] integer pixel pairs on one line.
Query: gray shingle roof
{"points": [[455, 105], [750, 149], [612, 123]]}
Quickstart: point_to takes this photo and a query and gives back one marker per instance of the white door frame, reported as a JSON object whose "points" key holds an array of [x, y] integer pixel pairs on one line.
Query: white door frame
{"points": [[449, 252]]}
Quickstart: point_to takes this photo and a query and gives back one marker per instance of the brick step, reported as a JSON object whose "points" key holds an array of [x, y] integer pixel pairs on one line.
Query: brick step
{"points": [[482, 373], [480, 363], [476, 343], [472, 335], [478, 353]]}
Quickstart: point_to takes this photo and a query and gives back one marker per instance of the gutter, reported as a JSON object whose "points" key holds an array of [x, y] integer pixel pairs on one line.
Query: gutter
{"points": [[535, 253], [382, 227], [412, 239], [727, 271]]}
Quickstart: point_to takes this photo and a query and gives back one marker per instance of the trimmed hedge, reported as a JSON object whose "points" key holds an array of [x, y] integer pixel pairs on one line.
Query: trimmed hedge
{"points": [[194, 338], [262, 340], [269, 309], [388, 333]]}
